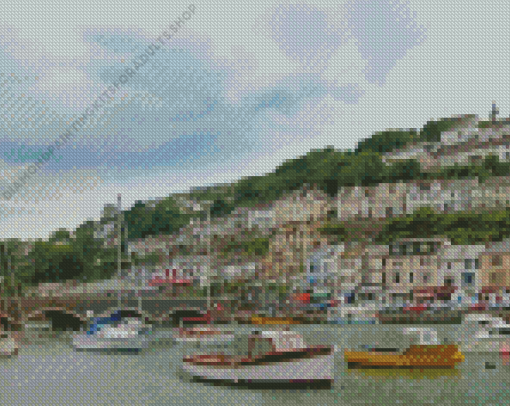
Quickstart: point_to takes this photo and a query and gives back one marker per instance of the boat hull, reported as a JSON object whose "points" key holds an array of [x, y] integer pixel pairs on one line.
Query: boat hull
{"points": [[274, 320], [437, 357], [315, 370]]}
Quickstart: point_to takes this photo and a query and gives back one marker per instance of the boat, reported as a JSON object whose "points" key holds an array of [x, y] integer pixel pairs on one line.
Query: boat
{"points": [[350, 315], [272, 357], [274, 320], [202, 334], [119, 331], [484, 333], [427, 354], [8, 345]]}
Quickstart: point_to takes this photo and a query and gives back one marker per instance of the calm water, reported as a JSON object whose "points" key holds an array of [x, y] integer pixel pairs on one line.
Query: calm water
{"points": [[50, 372]]}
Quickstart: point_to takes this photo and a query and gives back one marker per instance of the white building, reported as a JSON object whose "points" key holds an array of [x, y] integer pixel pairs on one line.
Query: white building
{"points": [[263, 219], [322, 267], [459, 266]]}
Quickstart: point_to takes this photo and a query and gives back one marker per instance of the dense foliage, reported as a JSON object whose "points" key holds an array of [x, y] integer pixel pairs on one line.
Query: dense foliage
{"points": [[162, 219], [468, 227]]}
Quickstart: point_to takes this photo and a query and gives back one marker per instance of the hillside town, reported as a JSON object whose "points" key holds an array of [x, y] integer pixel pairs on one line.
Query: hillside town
{"points": [[281, 246]]}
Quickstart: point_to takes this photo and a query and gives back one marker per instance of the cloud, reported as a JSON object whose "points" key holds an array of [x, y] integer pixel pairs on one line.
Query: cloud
{"points": [[385, 30], [306, 33]]}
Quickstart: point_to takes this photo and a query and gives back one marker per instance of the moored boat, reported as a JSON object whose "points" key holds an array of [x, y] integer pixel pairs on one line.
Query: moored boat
{"points": [[273, 357], [118, 332], [8, 345], [274, 320], [427, 354], [484, 333]]}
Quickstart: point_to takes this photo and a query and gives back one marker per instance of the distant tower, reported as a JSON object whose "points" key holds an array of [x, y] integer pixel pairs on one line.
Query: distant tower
{"points": [[494, 111]]}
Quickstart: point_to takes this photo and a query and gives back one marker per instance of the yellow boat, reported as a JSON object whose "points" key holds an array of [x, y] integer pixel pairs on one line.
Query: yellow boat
{"points": [[414, 373], [274, 320], [428, 354]]}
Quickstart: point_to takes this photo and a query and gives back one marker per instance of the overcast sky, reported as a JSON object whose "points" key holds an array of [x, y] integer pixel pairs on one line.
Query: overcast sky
{"points": [[239, 88]]}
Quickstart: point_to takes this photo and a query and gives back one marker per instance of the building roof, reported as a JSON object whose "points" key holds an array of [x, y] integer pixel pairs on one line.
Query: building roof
{"points": [[502, 246], [463, 251]]}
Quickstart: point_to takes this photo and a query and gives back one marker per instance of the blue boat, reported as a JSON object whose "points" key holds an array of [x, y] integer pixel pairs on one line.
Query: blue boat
{"points": [[120, 330]]}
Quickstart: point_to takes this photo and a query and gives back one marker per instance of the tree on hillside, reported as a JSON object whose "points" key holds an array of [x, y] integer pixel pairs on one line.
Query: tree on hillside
{"points": [[61, 235], [387, 141]]}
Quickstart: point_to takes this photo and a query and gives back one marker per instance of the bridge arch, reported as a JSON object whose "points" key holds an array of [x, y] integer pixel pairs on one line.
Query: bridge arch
{"points": [[177, 315], [61, 318]]}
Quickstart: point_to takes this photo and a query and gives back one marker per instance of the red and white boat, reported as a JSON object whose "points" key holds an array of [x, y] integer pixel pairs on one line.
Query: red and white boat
{"points": [[273, 357]]}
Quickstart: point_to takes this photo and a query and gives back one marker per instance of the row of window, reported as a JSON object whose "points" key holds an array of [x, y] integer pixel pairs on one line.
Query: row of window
{"points": [[467, 278]]}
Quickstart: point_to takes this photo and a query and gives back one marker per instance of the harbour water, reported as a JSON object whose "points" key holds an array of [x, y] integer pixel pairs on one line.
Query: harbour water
{"points": [[49, 371]]}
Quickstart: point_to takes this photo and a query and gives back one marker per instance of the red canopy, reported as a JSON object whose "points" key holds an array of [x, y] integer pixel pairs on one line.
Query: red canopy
{"points": [[303, 297], [493, 289]]}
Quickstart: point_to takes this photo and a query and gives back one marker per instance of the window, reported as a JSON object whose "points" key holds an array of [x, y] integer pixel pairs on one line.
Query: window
{"points": [[397, 278], [384, 262], [496, 260], [449, 265], [312, 268], [425, 278], [424, 187], [389, 212], [384, 278], [468, 278], [411, 277]]}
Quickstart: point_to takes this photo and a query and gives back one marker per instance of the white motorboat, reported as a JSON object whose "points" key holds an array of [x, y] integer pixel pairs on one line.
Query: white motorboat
{"points": [[272, 357], [8, 345], [114, 332], [484, 333], [202, 335]]}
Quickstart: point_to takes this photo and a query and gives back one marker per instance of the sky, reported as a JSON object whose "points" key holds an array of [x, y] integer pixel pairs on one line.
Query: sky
{"points": [[238, 89]]}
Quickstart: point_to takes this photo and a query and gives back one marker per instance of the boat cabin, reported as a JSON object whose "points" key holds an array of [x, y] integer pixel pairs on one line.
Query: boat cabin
{"points": [[426, 336]]}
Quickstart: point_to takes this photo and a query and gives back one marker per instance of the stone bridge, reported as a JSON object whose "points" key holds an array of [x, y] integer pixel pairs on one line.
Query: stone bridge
{"points": [[23, 309]]}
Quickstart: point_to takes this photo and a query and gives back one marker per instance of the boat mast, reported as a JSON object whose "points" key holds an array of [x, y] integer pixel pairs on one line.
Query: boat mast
{"points": [[119, 242]]}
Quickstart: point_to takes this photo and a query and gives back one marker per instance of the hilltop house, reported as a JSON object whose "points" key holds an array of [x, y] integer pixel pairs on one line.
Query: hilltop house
{"points": [[388, 200], [305, 204]]}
